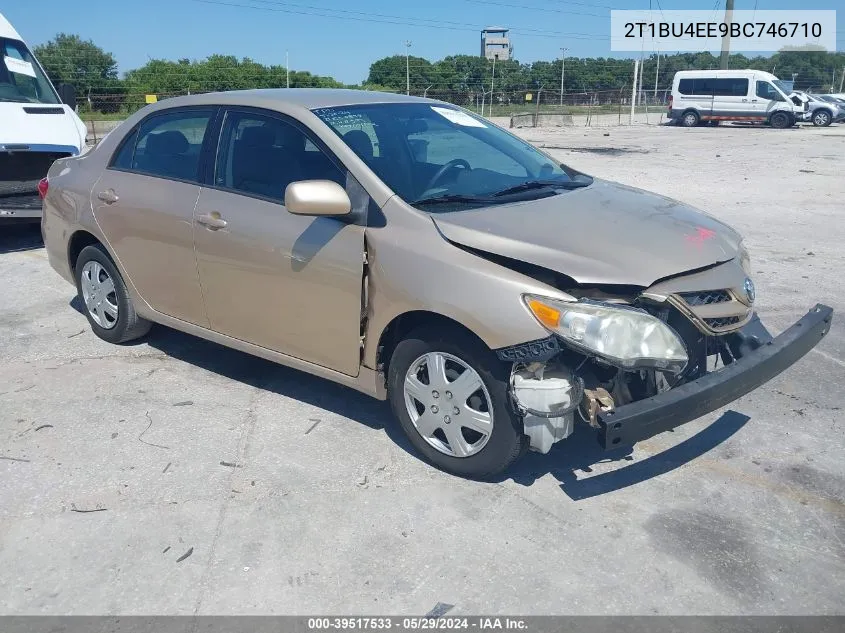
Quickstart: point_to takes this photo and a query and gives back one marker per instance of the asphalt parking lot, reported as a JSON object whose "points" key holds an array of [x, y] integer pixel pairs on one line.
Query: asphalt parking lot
{"points": [[175, 476]]}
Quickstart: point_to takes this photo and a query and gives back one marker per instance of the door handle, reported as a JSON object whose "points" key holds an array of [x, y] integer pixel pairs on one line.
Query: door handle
{"points": [[745, 99], [212, 221], [754, 101], [108, 196]]}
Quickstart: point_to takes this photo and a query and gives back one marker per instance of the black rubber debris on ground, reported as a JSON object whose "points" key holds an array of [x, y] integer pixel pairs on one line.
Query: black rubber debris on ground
{"points": [[439, 610], [185, 555]]}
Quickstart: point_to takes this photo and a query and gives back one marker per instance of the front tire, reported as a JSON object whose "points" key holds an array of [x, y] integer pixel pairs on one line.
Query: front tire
{"points": [[450, 395], [780, 120], [107, 304], [822, 118]]}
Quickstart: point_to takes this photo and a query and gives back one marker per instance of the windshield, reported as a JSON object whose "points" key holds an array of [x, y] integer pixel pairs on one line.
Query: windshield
{"points": [[426, 151], [786, 87], [21, 78]]}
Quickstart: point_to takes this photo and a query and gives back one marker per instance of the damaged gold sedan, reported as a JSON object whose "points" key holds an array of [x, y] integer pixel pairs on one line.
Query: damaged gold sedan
{"points": [[416, 252]]}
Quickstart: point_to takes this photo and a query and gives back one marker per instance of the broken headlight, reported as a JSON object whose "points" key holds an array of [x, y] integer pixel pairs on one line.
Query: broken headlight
{"points": [[628, 338]]}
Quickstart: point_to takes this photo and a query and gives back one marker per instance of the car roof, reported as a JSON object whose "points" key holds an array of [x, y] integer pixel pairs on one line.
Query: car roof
{"points": [[309, 98]]}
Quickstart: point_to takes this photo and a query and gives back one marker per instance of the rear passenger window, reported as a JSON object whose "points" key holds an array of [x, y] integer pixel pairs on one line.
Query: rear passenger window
{"points": [[261, 155], [707, 86], [167, 145], [731, 87]]}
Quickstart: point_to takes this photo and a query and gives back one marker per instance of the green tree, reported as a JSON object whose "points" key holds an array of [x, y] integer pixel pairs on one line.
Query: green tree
{"points": [[88, 68]]}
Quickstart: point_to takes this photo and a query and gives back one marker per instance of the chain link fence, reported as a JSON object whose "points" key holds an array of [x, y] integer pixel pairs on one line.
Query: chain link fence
{"points": [[100, 112]]}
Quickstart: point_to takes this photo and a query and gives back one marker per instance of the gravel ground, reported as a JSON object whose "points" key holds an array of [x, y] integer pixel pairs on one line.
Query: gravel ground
{"points": [[177, 477]]}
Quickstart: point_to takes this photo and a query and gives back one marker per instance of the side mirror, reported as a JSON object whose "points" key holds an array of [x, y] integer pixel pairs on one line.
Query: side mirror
{"points": [[317, 197], [67, 94]]}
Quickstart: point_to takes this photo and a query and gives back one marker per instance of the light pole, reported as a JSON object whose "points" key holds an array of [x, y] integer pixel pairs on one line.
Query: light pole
{"points": [[492, 84], [562, 71], [407, 67], [287, 70]]}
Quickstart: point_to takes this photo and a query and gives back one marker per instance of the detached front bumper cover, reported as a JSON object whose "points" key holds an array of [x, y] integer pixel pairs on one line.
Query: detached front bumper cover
{"points": [[640, 420]]}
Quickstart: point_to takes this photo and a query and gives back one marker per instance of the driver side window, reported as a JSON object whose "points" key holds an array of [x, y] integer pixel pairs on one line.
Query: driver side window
{"points": [[767, 91]]}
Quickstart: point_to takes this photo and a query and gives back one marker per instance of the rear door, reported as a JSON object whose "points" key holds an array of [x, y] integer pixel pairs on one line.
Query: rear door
{"points": [[144, 202], [696, 93], [731, 99], [285, 282]]}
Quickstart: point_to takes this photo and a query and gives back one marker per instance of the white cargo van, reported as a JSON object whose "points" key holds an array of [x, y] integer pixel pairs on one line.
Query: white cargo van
{"points": [[37, 126], [701, 96]]}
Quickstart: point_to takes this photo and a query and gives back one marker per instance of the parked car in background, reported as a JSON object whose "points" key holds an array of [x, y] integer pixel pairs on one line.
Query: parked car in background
{"points": [[714, 96], [416, 252], [832, 99], [819, 111], [36, 126]]}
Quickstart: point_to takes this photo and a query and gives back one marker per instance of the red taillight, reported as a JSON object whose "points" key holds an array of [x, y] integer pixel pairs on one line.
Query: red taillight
{"points": [[43, 185], [670, 102]]}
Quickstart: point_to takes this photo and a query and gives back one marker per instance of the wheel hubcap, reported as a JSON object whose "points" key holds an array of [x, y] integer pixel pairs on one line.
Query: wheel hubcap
{"points": [[99, 295], [448, 404]]}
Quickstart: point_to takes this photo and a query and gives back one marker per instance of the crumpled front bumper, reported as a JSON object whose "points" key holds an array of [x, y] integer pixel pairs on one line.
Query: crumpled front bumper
{"points": [[640, 420]]}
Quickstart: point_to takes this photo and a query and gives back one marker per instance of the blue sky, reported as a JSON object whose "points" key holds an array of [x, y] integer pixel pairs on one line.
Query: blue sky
{"points": [[342, 46]]}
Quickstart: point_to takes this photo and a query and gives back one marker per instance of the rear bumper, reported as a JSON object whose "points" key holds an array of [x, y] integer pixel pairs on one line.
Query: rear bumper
{"points": [[640, 420], [20, 206]]}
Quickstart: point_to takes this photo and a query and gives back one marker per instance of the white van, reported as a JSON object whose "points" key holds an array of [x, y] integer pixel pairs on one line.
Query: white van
{"points": [[37, 126], [700, 96]]}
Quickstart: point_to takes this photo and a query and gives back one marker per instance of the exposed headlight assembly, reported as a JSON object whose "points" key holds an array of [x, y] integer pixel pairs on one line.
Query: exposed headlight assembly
{"points": [[625, 337]]}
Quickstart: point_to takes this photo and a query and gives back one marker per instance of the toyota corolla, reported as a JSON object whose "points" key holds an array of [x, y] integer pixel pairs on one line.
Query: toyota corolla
{"points": [[416, 252]]}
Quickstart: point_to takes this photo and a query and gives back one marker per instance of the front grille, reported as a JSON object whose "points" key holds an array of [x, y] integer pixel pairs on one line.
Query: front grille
{"points": [[706, 297], [722, 322]]}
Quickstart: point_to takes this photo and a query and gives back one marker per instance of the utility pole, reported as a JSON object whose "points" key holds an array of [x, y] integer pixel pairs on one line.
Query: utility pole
{"points": [[562, 71], [492, 82], [656, 76], [407, 67], [634, 91], [842, 80], [726, 41], [640, 94], [287, 70]]}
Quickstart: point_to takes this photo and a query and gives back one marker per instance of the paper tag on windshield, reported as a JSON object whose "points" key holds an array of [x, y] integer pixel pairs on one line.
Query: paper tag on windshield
{"points": [[458, 117], [19, 66]]}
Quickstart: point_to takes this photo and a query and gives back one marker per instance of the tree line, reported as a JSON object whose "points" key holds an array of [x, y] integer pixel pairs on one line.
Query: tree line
{"points": [[458, 78]]}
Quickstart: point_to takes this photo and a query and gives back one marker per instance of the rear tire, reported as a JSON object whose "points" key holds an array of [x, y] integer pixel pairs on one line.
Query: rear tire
{"points": [[780, 120], [690, 118], [504, 443], [107, 304]]}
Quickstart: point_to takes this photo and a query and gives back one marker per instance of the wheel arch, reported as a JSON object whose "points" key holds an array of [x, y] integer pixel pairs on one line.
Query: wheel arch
{"points": [[77, 242], [403, 324]]}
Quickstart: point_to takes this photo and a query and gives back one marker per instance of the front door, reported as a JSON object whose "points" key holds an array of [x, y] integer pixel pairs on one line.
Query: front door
{"points": [[767, 99], [281, 281], [144, 202]]}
